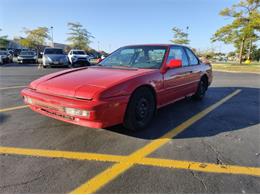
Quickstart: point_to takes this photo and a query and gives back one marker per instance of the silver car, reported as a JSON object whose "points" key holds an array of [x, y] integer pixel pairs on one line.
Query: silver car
{"points": [[54, 57]]}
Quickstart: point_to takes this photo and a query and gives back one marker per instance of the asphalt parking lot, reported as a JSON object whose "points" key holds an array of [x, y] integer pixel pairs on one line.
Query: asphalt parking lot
{"points": [[210, 146]]}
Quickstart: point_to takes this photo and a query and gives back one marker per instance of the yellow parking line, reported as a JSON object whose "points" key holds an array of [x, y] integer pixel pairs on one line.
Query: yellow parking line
{"points": [[203, 167], [13, 87], [13, 108], [61, 154], [111, 173], [165, 163]]}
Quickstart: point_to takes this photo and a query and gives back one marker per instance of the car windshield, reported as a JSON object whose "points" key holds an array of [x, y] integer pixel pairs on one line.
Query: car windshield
{"points": [[3, 52], [79, 52], [26, 53], [53, 51], [136, 57]]}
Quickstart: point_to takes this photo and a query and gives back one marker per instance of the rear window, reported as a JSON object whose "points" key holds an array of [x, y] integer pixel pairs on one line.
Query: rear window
{"points": [[53, 51], [79, 52]]}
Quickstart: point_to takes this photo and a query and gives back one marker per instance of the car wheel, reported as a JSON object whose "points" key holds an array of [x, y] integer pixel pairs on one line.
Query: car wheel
{"points": [[140, 110], [70, 65], [87, 63], [201, 90]]}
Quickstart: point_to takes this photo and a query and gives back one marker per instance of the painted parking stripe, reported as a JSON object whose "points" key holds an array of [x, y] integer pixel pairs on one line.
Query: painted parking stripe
{"points": [[13, 87], [61, 154], [157, 162], [111, 173], [202, 167], [13, 108]]}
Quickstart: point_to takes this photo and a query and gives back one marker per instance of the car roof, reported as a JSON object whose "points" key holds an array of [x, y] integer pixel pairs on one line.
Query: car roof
{"points": [[76, 50], [52, 48], [156, 44]]}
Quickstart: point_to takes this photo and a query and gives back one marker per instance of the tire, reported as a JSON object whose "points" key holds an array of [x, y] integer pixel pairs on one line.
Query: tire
{"points": [[70, 65], [140, 109], [87, 63], [201, 90]]}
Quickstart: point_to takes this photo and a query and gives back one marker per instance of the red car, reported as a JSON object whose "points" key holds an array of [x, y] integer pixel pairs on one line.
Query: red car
{"points": [[126, 87]]}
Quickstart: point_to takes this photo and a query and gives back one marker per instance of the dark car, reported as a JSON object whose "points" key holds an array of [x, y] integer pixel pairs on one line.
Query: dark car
{"points": [[4, 56], [27, 57]]}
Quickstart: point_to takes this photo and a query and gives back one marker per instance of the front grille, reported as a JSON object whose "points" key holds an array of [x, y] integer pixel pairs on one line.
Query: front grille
{"points": [[57, 114]]}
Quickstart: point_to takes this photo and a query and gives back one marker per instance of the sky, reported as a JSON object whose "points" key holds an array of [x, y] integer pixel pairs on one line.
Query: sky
{"points": [[116, 23]]}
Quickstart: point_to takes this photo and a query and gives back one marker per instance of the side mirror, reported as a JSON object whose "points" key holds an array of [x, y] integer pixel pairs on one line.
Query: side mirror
{"points": [[176, 63]]}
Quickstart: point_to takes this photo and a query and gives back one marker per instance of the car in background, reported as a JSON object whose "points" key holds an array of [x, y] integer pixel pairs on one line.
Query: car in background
{"points": [[17, 52], [54, 57], [4, 56], [27, 57], [78, 57], [126, 87]]}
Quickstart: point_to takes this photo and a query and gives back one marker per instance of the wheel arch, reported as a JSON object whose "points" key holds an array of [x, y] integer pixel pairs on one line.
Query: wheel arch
{"points": [[205, 78], [149, 87]]}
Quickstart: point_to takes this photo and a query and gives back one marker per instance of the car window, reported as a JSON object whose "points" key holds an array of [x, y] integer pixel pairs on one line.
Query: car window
{"points": [[193, 59], [53, 51], [137, 57], [178, 53]]}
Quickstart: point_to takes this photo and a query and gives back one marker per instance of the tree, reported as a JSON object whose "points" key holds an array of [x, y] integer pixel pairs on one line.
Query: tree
{"points": [[180, 37], [79, 37], [242, 32], [255, 53], [3, 40], [35, 38]]}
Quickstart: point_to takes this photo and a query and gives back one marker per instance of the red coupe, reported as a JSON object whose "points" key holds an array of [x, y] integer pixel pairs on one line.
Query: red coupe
{"points": [[126, 87]]}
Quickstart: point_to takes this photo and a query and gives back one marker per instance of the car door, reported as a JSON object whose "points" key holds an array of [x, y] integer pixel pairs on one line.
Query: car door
{"points": [[194, 68], [176, 80]]}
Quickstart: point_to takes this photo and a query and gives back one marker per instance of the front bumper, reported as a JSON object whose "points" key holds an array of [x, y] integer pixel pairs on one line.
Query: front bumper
{"points": [[29, 60], [103, 113]]}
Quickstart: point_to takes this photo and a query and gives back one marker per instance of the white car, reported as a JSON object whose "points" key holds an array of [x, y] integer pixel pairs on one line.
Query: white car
{"points": [[78, 57]]}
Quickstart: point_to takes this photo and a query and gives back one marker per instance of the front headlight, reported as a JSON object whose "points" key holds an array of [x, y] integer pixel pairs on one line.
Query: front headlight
{"points": [[48, 58], [19, 58], [28, 100], [35, 57], [76, 112]]}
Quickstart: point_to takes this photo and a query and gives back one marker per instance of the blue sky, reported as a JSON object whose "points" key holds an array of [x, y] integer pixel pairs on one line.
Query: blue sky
{"points": [[115, 23]]}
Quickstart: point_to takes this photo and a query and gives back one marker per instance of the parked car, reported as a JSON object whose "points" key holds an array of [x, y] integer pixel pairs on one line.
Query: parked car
{"points": [[17, 52], [4, 56], [126, 87], [1, 61], [27, 57], [78, 57], [54, 56]]}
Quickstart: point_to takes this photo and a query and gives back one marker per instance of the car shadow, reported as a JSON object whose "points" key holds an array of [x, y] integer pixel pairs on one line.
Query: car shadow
{"points": [[238, 112], [18, 65], [3, 118]]}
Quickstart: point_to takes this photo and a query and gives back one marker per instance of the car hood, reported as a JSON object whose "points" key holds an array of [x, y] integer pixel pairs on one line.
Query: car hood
{"points": [[84, 83], [26, 56], [80, 56]]}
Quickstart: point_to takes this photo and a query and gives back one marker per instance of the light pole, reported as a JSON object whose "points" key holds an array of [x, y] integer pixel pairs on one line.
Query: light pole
{"points": [[52, 36]]}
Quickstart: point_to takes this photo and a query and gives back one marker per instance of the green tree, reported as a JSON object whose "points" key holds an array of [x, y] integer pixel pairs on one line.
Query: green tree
{"points": [[35, 38], [242, 31], [180, 37], [3, 40], [79, 37]]}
